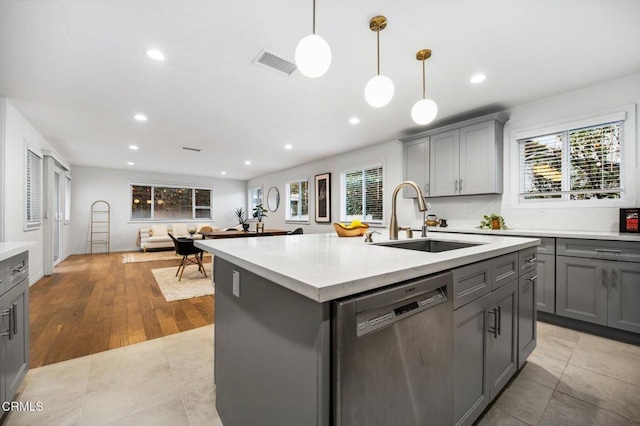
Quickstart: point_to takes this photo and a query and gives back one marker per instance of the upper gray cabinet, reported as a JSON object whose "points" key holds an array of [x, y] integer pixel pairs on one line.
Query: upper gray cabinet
{"points": [[416, 166], [460, 159]]}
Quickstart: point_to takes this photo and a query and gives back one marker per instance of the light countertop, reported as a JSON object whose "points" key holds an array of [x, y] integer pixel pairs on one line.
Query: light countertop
{"points": [[588, 235], [325, 267], [8, 250]]}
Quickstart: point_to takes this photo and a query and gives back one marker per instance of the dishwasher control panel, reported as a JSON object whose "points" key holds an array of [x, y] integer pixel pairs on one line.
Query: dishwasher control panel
{"points": [[375, 319]]}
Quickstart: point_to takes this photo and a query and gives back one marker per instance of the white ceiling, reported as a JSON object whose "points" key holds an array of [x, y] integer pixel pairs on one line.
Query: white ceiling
{"points": [[77, 71]]}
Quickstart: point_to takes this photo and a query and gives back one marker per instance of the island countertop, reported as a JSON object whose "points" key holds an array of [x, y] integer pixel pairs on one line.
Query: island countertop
{"points": [[325, 267], [8, 250]]}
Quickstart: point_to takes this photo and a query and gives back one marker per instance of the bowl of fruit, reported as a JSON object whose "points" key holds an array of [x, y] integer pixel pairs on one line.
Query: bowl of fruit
{"points": [[355, 229]]}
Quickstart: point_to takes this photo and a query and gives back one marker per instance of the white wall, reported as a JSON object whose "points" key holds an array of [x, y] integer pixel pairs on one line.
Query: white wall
{"points": [[468, 210], [611, 94], [390, 153], [112, 185], [18, 134]]}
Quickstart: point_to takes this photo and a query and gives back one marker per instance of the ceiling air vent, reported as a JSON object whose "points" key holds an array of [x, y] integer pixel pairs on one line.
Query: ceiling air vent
{"points": [[186, 148], [274, 62]]}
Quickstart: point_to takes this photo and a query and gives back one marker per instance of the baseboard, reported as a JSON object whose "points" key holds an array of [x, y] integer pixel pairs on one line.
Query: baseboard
{"points": [[33, 280], [587, 327]]}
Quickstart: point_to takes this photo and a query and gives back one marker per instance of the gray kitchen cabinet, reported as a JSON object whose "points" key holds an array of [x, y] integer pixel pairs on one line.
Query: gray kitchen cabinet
{"points": [[14, 326], [416, 166], [599, 283], [467, 160], [546, 283], [527, 315], [485, 342], [581, 290]]}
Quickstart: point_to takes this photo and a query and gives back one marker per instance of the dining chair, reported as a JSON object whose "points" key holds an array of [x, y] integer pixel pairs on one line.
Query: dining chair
{"points": [[185, 248]]}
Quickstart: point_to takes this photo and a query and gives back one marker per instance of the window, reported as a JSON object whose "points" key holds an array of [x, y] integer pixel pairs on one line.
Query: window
{"points": [[362, 194], [574, 164], [255, 198], [298, 200], [33, 196], [149, 202]]}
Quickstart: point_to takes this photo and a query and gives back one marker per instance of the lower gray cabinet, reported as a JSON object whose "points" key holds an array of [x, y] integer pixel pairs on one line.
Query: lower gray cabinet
{"points": [[581, 289], [623, 308], [599, 291], [485, 350], [527, 315], [14, 326], [546, 283]]}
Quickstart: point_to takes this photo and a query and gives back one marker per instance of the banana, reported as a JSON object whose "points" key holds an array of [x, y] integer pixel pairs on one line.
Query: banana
{"points": [[355, 224]]}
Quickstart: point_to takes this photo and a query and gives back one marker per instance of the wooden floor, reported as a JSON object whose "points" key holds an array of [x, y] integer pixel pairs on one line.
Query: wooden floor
{"points": [[95, 303]]}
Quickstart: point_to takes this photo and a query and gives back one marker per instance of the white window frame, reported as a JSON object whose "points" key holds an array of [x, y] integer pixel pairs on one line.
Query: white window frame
{"points": [[256, 193], [300, 218], [194, 208], [33, 202], [625, 114], [343, 192]]}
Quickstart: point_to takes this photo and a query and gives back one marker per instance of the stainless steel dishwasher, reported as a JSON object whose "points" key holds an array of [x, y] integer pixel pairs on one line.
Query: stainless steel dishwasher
{"points": [[392, 355]]}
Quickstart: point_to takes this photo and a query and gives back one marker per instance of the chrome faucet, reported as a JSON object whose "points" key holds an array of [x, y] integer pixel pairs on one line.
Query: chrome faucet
{"points": [[393, 226]]}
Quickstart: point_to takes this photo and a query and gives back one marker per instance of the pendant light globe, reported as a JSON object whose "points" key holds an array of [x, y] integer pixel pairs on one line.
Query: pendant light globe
{"points": [[379, 91], [424, 111], [313, 56]]}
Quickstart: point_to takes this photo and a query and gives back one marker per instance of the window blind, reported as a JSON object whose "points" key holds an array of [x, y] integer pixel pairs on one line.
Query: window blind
{"points": [[33, 189], [576, 164], [363, 194]]}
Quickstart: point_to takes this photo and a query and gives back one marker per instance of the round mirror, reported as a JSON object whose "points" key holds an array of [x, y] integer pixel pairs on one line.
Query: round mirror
{"points": [[273, 199]]}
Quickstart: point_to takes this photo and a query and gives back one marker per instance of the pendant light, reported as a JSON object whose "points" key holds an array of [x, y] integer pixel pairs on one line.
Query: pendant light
{"points": [[425, 110], [379, 90], [313, 54]]}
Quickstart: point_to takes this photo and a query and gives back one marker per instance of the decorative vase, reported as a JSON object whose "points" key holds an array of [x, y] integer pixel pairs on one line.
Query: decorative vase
{"points": [[245, 227], [495, 224]]}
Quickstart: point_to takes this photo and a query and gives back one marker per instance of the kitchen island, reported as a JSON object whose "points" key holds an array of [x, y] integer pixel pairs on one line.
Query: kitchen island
{"points": [[273, 314]]}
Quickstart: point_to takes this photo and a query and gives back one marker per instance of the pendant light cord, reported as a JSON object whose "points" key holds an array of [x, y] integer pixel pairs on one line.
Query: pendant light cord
{"points": [[314, 16], [378, 37], [424, 90]]}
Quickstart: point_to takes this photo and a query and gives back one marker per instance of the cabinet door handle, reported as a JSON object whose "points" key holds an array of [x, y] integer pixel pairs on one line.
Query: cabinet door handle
{"points": [[499, 319], [14, 314], [455, 186], [426, 188], [604, 278], [460, 185], [11, 322], [494, 330], [532, 279], [613, 279]]}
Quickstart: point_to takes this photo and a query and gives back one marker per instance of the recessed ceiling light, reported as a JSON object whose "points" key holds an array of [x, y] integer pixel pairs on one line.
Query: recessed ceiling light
{"points": [[288, 146], [354, 120], [133, 147], [130, 163], [247, 162], [477, 78], [155, 54], [223, 172], [140, 117]]}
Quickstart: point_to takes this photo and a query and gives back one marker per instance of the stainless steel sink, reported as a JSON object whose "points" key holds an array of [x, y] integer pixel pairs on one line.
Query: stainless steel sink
{"points": [[431, 246]]}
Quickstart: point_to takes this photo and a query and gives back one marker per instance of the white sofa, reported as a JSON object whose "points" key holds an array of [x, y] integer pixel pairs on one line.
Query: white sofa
{"points": [[157, 236]]}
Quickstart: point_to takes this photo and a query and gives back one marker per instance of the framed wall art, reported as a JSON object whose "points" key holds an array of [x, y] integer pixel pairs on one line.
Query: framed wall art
{"points": [[323, 198]]}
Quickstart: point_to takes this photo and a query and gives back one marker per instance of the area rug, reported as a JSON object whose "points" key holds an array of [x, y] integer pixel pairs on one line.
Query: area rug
{"points": [[151, 256], [193, 283]]}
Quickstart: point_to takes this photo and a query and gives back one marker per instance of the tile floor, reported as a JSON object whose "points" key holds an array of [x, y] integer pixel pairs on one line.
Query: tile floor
{"points": [[571, 378]]}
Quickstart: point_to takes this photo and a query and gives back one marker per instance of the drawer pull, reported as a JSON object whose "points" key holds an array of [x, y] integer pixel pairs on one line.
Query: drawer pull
{"points": [[17, 270], [601, 250]]}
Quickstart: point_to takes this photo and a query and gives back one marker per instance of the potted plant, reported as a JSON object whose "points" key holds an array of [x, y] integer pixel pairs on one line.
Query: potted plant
{"points": [[242, 218], [259, 212], [493, 221]]}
